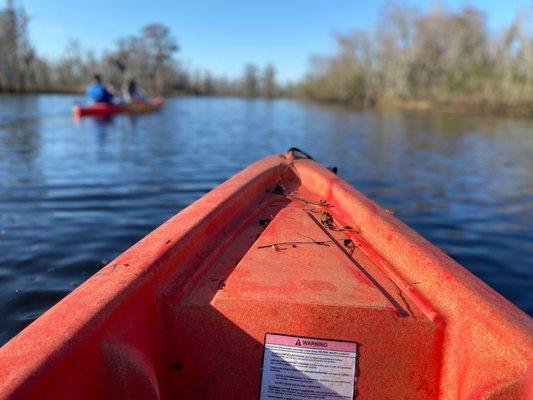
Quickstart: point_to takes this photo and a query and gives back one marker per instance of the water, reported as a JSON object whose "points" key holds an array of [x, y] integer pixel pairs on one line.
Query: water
{"points": [[73, 195]]}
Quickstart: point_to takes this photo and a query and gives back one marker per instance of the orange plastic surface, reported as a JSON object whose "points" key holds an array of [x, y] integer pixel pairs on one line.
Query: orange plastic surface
{"points": [[284, 247]]}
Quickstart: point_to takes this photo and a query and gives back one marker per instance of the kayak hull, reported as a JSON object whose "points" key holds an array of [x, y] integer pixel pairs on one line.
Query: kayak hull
{"points": [[283, 247], [108, 110]]}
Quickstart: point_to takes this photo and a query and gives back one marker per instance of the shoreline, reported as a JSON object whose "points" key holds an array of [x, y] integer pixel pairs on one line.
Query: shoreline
{"points": [[524, 110], [483, 108]]}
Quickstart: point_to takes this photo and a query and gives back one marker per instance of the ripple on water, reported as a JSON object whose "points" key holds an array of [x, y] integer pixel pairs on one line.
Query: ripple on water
{"points": [[75, 195]]}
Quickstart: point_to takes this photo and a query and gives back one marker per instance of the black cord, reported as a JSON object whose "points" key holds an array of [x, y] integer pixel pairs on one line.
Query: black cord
{"points": [[295, 150]]}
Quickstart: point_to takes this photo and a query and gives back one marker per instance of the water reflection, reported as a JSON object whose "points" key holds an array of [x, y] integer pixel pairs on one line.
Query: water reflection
{"points": [[75, 194]]}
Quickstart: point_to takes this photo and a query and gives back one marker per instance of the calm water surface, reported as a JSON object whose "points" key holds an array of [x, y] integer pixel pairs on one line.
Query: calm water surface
{"points": [[73, 195]]}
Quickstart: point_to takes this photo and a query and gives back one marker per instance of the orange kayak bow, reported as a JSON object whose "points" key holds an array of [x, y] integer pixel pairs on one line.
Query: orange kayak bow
{"points": [[283, 282]]}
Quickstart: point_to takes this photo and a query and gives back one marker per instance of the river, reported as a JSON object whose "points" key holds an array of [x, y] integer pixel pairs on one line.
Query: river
{"points": [[74, 194]]}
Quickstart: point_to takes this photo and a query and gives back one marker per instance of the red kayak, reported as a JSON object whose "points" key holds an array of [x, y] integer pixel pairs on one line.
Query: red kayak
{"points": [[282, 283], [107, 110]]}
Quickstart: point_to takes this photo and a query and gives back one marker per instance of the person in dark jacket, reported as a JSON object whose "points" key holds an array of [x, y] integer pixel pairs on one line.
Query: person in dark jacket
{"points": [[98, 92], [132, 93]]}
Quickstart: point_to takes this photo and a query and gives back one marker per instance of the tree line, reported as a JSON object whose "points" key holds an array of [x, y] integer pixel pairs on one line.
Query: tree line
{"points": [[149, 57], [411, 57], [439, 56]]}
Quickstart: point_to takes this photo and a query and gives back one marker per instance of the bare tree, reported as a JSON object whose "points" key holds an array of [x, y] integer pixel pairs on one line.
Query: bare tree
{"points": [[250, 81], [17, 53], [439, 56], [149, 57], [268, 82]]}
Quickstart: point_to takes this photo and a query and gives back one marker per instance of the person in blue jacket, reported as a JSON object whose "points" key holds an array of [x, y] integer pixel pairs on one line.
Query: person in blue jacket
{"points": [[97, 91]]}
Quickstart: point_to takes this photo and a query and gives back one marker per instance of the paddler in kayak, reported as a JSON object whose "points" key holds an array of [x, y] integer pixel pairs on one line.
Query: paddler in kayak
{"points": [[98, 92], [131, 93]]}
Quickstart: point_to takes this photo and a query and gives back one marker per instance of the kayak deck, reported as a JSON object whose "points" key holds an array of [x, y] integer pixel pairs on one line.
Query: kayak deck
{"points": [[283, 247], [297, 278]]}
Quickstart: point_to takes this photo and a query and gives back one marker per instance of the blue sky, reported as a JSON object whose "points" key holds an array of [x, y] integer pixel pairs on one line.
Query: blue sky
{"points": [[223, 35]]}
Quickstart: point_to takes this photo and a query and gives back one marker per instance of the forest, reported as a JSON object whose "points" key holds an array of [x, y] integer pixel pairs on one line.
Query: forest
{"points": [[411, 58], [418, 59], [149, 56]]}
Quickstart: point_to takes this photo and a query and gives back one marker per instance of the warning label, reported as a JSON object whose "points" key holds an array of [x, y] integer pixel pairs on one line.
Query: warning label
{"points": [[300, 368]]}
